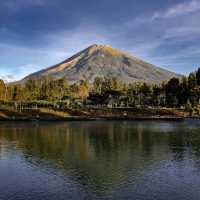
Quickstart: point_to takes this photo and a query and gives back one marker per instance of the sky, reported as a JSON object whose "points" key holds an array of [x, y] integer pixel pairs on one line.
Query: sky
{"points": [[35, 34]]}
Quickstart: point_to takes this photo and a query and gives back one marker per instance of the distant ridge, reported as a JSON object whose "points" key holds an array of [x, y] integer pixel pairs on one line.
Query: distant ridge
{"points": [[105, 61]]}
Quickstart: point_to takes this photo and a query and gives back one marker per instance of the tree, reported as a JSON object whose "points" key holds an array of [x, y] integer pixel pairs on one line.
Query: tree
{"points": [[74, 89], [18, 93], [63, 84], [97, 85], [188, 107], [115, 84], [183, 94], [9, 92], [198, 76], [132, 95], [46, 88], [192, 81], [83, 89], [2, 90], [172, 91], [107, 85], [33, 89], [145, 94], [157, 95]]}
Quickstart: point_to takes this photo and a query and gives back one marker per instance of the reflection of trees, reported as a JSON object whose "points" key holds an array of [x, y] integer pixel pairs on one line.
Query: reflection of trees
{"points": [[100, 154], [185, 139]]}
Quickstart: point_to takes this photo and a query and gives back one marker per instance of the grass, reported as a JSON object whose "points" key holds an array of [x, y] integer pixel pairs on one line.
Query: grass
{"points": [[49, 113], [39, 113]]}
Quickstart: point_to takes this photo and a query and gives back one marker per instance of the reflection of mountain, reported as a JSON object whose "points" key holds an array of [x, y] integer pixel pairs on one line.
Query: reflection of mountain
{"points": [[98, 155]]}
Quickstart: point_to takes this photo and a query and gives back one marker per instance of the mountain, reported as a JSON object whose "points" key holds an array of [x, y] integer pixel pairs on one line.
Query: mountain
{"points": [[103, 60]]}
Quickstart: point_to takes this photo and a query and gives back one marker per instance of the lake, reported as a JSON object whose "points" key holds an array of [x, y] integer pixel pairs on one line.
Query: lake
{"points": [[140, 160]]}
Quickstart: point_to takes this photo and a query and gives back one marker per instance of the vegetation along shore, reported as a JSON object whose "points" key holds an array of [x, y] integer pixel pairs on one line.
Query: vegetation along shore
{"points": [[105, 98]]}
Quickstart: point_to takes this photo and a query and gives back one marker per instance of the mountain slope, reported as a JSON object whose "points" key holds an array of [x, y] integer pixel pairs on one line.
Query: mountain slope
{"points": [[103, 60]]}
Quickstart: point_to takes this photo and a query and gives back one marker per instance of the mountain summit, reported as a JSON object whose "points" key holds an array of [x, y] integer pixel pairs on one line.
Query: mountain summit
{"points": [[105, 61]]}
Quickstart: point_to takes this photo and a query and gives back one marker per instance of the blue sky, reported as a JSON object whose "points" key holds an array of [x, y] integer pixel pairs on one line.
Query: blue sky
{"points": [[37, 34]]}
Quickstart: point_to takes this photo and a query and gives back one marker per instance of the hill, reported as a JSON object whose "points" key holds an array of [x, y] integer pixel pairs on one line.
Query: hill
{"points": [[103, 60]]}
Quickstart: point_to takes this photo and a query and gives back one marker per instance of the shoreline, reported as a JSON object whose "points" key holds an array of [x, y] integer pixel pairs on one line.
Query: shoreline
{"points": [[94, 115], [102, 118]]}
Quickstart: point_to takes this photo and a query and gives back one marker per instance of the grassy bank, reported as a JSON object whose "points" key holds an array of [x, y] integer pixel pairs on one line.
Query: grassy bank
{"points": [[91, 114]]}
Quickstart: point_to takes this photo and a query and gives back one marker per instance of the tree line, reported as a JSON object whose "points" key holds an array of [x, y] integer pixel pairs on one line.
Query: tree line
{"points": [[175, 93]]}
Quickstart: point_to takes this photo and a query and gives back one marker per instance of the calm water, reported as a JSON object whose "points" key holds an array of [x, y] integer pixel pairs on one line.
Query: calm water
{"points": [[100, 160]]}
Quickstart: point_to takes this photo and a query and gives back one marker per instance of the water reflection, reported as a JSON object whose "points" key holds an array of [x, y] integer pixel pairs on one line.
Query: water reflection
{"points": [[105, 159]]}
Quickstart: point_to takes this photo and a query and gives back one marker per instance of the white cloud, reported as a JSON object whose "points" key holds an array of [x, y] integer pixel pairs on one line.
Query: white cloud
{"points": [[18, 72], [27, 69], [176, 29], [70, 42], [181, 9], [61, 45], [7, 78], [185, 8], [175, 25]]}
